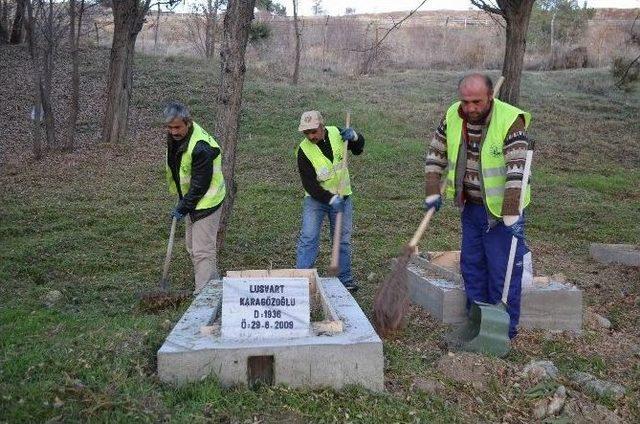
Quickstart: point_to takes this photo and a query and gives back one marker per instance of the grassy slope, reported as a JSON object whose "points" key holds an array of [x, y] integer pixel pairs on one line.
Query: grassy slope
{"points": [[93, 226]]}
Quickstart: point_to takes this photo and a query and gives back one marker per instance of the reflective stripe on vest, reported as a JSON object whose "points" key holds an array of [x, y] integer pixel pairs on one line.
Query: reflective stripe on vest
{"points": [[216, 192], [492, 162], [329, 173]]}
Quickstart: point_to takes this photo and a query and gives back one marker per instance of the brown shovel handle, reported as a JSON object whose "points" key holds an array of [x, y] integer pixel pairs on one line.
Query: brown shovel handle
{"points": [[167, 259], [337, 231], [335, 249]]}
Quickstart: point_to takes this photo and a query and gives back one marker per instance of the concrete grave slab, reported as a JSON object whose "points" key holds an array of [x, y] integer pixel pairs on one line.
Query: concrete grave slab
{"points": [[624, 254], [435, 284], [341, 349]]}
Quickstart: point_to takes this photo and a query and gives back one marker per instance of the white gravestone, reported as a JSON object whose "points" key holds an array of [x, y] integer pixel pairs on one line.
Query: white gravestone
{"points": [[265, 307]]}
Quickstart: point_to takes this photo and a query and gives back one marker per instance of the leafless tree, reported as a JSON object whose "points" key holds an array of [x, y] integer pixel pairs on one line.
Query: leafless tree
{"points": [[156, 30], [203, 26], [211, 16], [516, 14], [128, 18], [324, 42], [317, 8], [373, 53], [4, 21], [237, 21], [296, 29], [634, 39], [76, 11], [45, 26], [18, 23]]}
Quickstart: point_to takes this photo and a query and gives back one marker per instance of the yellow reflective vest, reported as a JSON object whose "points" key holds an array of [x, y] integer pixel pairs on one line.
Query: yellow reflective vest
{"points": [[492, 162], [328, 173], [216, 192]]}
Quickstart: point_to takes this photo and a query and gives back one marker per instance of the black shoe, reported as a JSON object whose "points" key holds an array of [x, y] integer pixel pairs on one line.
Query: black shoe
{"points": [[352, 287]]}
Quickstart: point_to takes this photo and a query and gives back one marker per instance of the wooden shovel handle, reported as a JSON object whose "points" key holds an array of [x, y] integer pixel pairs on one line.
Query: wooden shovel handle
{"points": [[337, 231], [335, 249], [167, 259]]}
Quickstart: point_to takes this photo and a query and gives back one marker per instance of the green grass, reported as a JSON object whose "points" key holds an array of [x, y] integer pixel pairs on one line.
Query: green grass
{"points": [[94, 226]]}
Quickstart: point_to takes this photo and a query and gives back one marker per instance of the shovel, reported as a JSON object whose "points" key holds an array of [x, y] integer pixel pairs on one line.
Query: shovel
{"points": [[488, 328], [158, 299], [334, 266]]}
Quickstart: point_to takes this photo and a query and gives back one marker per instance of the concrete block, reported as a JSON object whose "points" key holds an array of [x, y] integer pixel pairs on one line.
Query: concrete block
{"points": [[438, 288], [326, 358], [625, 254]]}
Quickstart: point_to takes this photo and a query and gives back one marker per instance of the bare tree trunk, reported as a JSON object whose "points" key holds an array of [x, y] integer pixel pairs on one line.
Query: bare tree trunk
{"points": [[207, 29], [211, 20], [16, 30], [46, 87], [4, 22], [296, 29], [37, 83], [155, 32], [370, 53], [75, 23], [128, 17], [553, 29], [516, 14], [237, 21], [324, 43], [517, 20], [4, 15], [4, 36]]}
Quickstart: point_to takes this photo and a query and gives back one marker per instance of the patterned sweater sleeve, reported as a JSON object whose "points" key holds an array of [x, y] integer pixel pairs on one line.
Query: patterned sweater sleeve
{"points": [[436, 160], [515, 154]]}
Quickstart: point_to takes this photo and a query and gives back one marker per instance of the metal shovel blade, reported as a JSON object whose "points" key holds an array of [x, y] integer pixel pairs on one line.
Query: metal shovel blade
{"points": [[487, 331]]}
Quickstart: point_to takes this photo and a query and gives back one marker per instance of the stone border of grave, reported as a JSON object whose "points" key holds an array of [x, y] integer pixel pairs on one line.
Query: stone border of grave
{"points": [[437, 286], [624, 254], [353, 356]]}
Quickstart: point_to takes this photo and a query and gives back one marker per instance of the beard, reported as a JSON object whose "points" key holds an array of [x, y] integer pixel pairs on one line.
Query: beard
{"points": [[479, 118]]}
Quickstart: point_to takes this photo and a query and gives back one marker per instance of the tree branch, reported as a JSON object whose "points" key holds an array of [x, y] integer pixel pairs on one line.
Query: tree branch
{"points": [[622, 79], [487, 7], [395, 25]]}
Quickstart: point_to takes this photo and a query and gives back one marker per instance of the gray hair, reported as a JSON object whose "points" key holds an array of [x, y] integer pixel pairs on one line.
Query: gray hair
{"points": [[175, 110]]}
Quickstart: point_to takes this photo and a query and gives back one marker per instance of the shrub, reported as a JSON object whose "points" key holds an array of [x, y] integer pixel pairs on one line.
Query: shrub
{"points": [[625, 71], [259, 31]]}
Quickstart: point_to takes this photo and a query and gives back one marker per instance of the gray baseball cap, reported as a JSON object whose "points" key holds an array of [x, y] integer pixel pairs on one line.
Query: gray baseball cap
{"points": [[310, 120]]}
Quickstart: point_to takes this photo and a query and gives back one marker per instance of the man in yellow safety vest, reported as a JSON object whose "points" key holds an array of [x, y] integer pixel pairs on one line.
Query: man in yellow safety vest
{"points": [[194, 173], [327, 189], [483, 142]]}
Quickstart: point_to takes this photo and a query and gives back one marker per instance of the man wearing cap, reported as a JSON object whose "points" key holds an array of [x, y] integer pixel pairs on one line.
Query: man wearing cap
{"points": [[320, 166], [194, 173]]}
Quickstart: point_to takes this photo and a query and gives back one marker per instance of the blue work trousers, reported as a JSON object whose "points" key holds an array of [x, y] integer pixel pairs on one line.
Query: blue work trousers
{"points": [[313, 214], [483, 262]]}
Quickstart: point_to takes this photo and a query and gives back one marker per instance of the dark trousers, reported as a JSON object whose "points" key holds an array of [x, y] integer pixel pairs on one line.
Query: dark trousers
{"points": [[483, 262]]}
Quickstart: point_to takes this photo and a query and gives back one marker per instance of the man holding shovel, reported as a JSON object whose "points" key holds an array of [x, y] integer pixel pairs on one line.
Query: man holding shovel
{"points": [[483, 142], [194, 173], [325, 179]]}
